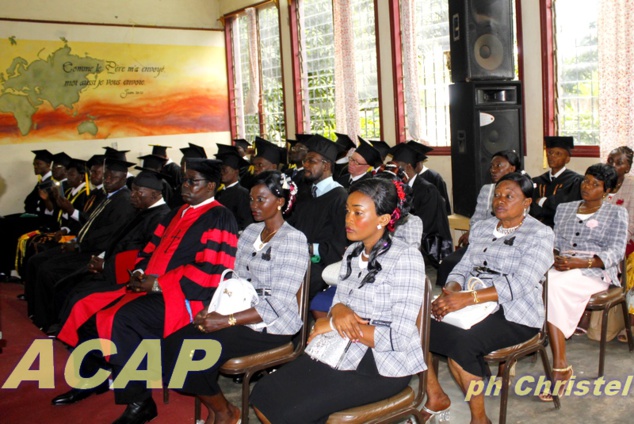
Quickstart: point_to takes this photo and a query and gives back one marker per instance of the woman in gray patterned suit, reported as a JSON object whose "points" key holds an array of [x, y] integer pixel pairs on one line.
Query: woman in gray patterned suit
{"points": [[590, 239], [273, 256], [379, 295], [510, 253]]}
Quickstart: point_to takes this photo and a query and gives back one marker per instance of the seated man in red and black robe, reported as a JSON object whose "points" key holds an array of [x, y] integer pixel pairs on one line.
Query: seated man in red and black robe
{"points": [[175, 274]]}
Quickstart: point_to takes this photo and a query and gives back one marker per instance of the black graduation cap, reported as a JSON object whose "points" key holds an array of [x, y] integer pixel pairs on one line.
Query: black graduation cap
{"points": [[61, 159], [159, 150], [324, 146], [404, 153], [78, 164], [382, 147], [149, 179], [230, 157], [345, 141], [95, 160], [241, 142], [269, 151], [194, 151], [567, 143], [119, 165], [208, 168], [153, 161], [420, 148], [369, 153], [303, 137], [43, 155], [115, 154]]}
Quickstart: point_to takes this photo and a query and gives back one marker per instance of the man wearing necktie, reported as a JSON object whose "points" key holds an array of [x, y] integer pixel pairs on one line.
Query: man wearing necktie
{"points": [[321, 217]]}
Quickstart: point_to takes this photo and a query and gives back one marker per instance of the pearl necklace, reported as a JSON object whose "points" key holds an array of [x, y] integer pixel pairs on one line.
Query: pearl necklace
{"points": [[507, 231]]}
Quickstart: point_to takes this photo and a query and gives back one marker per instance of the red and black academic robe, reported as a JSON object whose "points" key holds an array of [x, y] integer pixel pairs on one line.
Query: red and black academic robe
{"points": [[188, 254]]}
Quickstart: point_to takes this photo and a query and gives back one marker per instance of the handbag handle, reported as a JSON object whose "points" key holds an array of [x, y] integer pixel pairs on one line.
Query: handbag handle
{"points": [[226, 271], [471, 283]]}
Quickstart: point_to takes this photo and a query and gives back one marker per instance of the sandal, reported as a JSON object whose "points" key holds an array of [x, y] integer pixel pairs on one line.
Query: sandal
{"points": [[563, 384], [439, 416], [622, 337]]}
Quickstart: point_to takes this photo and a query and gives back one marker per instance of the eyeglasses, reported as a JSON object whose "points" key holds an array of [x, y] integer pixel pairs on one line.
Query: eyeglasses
{"points": [[312, 161], [356, 162], [193, 181], [298, 147]]}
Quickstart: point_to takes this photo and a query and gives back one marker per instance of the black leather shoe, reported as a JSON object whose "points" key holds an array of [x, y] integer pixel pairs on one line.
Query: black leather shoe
{"points": [[21, 296], [75, 395], [138, 413]]}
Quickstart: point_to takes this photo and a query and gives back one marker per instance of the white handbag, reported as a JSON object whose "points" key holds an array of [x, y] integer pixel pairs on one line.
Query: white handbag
{"points": [[330, 274], [469, 316], [329, 348], [233, 295]]}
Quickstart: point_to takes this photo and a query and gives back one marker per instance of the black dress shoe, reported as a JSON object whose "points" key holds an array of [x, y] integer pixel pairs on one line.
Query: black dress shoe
{"points": [[75, 395], [53, 330], [138, 413], [22, 296]]}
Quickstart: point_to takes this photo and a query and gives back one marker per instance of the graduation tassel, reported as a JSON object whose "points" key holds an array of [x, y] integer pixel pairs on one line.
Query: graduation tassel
{"points": [[87, 184]]}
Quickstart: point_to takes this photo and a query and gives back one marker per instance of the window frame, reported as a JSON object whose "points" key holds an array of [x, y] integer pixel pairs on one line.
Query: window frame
{"points": [[226, 21], [298, 98], [549, 80], [397, 67]]}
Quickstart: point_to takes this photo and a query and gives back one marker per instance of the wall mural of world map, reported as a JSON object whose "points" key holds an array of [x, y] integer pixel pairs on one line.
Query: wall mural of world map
{"points": [[64, 88]]}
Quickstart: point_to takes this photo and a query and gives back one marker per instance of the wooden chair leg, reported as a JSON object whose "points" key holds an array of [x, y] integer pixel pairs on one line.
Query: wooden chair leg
{"points": [[504, 399], [196, 410], [603, 342], [166, 395], [628, 326]]}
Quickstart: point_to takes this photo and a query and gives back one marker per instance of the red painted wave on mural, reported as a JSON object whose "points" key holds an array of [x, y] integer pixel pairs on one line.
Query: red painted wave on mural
{"points": [[167, 115]]}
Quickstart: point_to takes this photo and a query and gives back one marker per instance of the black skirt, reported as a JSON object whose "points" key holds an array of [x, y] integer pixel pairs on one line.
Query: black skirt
{"points": [[468, 347], [235, 341], [308, 391]]}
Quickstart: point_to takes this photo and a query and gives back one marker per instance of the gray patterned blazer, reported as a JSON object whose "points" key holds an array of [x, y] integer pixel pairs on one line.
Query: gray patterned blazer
{"points": [[280, 266], [483, 208], [519, 262], [411, 232], [394, 298], [604, 233]]}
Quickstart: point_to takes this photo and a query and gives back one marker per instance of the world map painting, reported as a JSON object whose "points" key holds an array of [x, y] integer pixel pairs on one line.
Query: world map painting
{"points": [[61, 89]]}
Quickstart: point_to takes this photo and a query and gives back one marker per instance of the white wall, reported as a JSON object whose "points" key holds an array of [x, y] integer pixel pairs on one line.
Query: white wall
{"points": [[16, 174]]}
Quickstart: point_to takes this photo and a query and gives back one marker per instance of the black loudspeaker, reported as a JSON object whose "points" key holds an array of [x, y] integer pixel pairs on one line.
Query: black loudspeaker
{"points": [[486, 117], [481, 40]]}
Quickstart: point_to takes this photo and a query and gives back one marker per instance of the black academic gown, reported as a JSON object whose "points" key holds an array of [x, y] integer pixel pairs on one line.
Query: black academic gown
{"points": [[322, 220], [564, 188], [429, 206], [131, 237], [14, 225], [345, 180], [436, 179], [45, 269], [236, 199]]}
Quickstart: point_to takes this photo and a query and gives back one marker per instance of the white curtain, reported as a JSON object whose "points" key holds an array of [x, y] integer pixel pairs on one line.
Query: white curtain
{"points": [[253, 96], [616, 74], [346, 95], [410, 70]]}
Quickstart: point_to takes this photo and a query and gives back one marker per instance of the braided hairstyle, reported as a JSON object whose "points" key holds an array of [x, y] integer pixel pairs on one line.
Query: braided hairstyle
{"points": [[281, 186], [389, 198]]}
